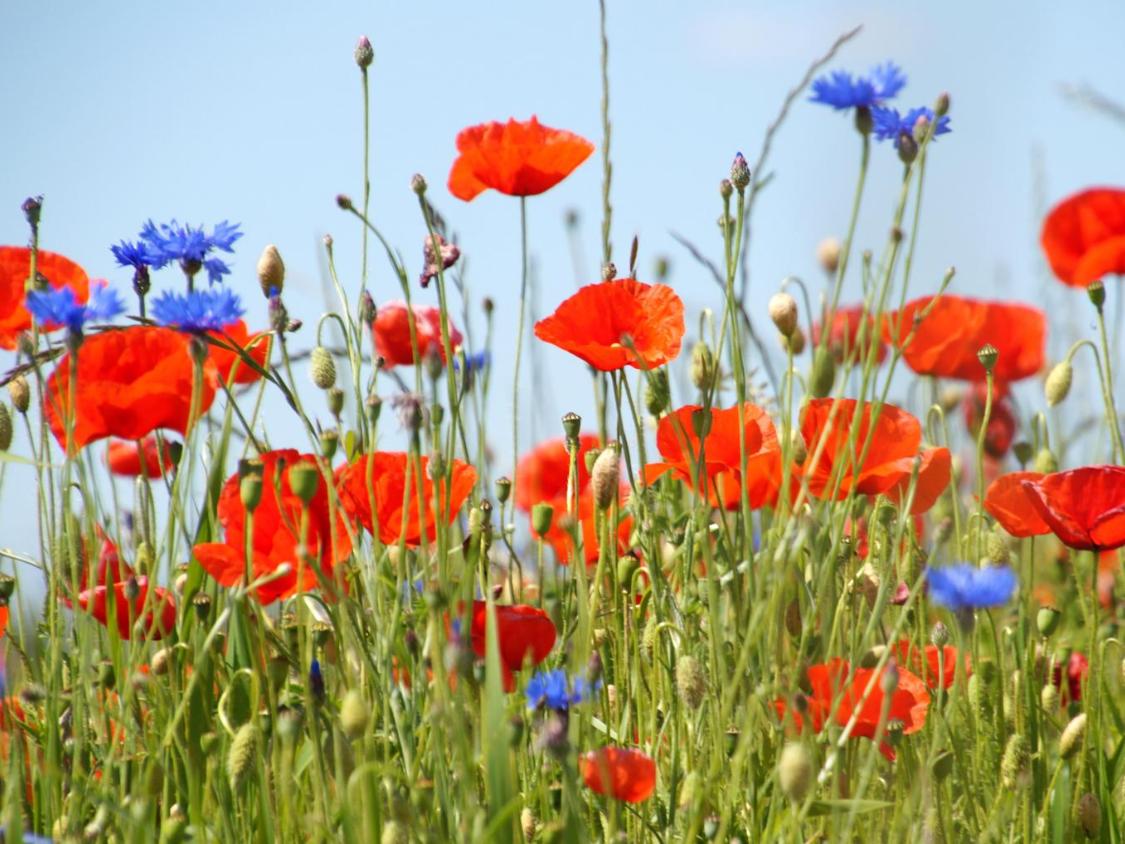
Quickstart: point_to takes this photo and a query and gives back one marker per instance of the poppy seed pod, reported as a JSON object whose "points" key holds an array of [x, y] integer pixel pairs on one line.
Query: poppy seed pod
{"points": [[329, 443], [828, 255], [354, 714], [364, 53], [604, 477], [691, 682], [542, 515], [572, 424], [1058, 382], [988, 355], [783, 311], [304, 477], [322, 368], [5, 427], [240, 757], [271, 271], [20, 393], [503, 489], [1096, 292], [250, 485], [794, 771], [1072, 736]]}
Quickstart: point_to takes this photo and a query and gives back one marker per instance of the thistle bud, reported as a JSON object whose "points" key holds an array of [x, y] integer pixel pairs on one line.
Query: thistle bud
{"points": [[542, 514], [828, 255], [271, 271], [1072, 736], [1047, 620], [20, 393], [6, 429], [987, 355], [658, 393], [322, 367], [240, 758], [364, 53], [304, 478], [691, 682], [823, 373], [1089, 815], [604, 477], [783, 311], [572, 425], [1096, 292], [740, 173], [939, 635], [794, 771], [1058, 381], [703, 368], [354, 714], [418, 184], [1046, 462]]}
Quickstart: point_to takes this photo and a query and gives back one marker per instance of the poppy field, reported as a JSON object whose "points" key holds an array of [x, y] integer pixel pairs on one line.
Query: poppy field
{"points": [[833, 559]]}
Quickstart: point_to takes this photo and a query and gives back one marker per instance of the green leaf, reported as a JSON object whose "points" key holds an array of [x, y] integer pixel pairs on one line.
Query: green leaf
{"points": [[840, 807]]}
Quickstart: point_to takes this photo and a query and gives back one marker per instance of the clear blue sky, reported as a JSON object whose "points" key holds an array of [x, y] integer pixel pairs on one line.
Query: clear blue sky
{"points": [[251, 111]]}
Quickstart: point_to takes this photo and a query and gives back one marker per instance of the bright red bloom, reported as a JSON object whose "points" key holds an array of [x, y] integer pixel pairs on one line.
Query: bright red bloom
{"points": [[524, 634], [517, 158], [1001, 430], [946, 342], [886, 470], [124, 458], [130, 382], [908, 704], [1077, 667], [1010, 504], [276, 533], [228, 362], [618, 323], [391, 331], [380, 478], [680, 446], [159, 611], [843, 336], [3, 620], [1084, 508], [15, 266], [926, 663], [619, 772], [1084, 236]]}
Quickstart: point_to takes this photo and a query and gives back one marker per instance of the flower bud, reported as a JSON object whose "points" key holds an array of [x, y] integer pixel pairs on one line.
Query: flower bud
{"points": [[941, 105], [367, 309], [1049, 698], [32, 207], [798, 449], [658, 393], [1047, 620], [604, 477], [329, 443], [418, 184], [828, 255], [795, 343], [542, 514], [6, 429], [823, 373], [794, 771], [726, 189], [907, 148], [528, 824], [20, 393], [334, 398], [1058, 381], [322, 367], [889, 680], [344, 202], [1046, 462], [703, 367], [1015, 763], [240, 758], [364, 53], [503, 489], [354, 714], [304, 478], [783, 311], [1072, 736], [691, 682], [740, 173], [271, 271]]}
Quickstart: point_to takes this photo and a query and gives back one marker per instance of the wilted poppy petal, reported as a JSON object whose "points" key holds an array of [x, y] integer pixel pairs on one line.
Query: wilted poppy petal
{"points": [[1083, 236], [619, 772]]}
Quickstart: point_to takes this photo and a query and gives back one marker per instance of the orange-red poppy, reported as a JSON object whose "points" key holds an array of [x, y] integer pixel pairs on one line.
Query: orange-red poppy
{"points": [[1084, 236], [828, 681], [721, 450], [518, 158], [618, 323], [391, 331], [159, 610], [1001, 430], [130, 382], [3, 619], [229, 363], [895, 446], [1084, 508], [1109, 564], [843, 335], [1077, 667], [277, 533], [381, 479], [524, 633], [619, 772], [946, 343], [931, 664], [1007, 501], [15, 266], [125, 457]]}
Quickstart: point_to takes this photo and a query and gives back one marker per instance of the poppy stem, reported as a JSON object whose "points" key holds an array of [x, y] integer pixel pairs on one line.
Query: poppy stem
{"points": [[519, 344], [1107, 392]]}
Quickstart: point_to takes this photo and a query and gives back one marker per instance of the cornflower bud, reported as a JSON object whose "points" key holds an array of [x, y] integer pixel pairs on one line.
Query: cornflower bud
{"points": [[740, 173], [418, 184], [941, 105], [32, 207], [271, 271], [939, 635], [783, 311], [1058, 382], [278, 315], [20, 393], [726, 189], [322, 367], [864, 122], [367, 309], [794, 772], [907, 148], [364, 53], [344, 202]]}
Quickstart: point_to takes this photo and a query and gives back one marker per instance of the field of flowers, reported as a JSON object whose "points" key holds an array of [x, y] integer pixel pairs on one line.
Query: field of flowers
{"points": [[873, 596]]}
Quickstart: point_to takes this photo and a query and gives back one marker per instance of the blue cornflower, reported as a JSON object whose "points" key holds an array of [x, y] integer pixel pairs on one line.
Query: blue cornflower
{"points": [[190, 246], [197, 310], [474, 363], [61, 307], [316, 681], [888, 124], [841, 90], [966, 587], [554, 690], [136, 255]]}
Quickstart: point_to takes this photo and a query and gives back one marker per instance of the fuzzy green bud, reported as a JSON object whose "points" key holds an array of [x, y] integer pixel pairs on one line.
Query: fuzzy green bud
{"points": [[604, 476], [334, 398], [394, 832], [658, 393], [271, 271], [354, 714], [798, 450], [703, 368], [1058, 382], [364, 53], [795, 772], [823, 373], [20, 393], [240, 757], [1015, 763], [542, 515], [1046, 462], [329, 443], [322, 368], [250, 484], [1047, 620], [6, 429], [1049, 698], [691, 681]]}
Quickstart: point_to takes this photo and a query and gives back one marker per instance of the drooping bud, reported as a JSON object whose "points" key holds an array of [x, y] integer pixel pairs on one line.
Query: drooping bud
{"points": [[740, 173], [1058, 382], [703, 367], [1072, 736], [20, 393], [271, 271], [783, 311], [344, 202], [322, 367], [658, 393], [364, 53], [6, 429], [828, 255], [604, 477], [691, 682], [795, 343], [794, 772]]}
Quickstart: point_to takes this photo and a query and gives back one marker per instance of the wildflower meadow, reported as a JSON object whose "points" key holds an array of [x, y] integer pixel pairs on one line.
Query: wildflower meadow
{"points": [[834, 557]]}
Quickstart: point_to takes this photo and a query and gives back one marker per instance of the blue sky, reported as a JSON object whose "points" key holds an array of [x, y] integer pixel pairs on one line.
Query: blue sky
{"points": [[251, 111]]}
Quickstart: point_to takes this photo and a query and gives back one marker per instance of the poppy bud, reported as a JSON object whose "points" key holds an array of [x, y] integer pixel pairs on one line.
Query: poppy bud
{"points": [[240, 758], [1089, 815], [604, 477], [691, 682], [987, 355], [5, 427], [939, 635], [1096, 292], [658, 393], [364, 53], [907, 148], [864, 122], [503, 489], [572, 424], [794, 771], [1047, 620], [418, 184], [941, 105], [322, 367], [1022, 451], [702, 366], [798, 450], [304, 477], [823, 373], [726, 189], [609, 271], [1058, 382], [782, 309], [372, 406], [542, 514], [271, 271], [740, 173], [795, 342], [20, 393], [828, 255], [435, 466], [1072, 736], [1046, 462], [334, 398], [354, 714], [250, 486], [1015, 761]]}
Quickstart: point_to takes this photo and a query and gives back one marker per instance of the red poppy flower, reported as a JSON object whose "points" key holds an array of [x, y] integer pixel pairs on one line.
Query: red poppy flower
{"points": [[125, 458], [228, 362], [618, 323], [619, 772], [159, 611], [1001, 430], [1077, 667], [843, 336], [908, 705], [15, 267], [130, 382], [3, 619], [1010, 504], [1084, 236], [946, 342], [560, 539], [517, 158], [277, 533], [895, 445], [380, 478], [524, 634], [722, 454], [1085, 508], [927, 664], [391, 331]]}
